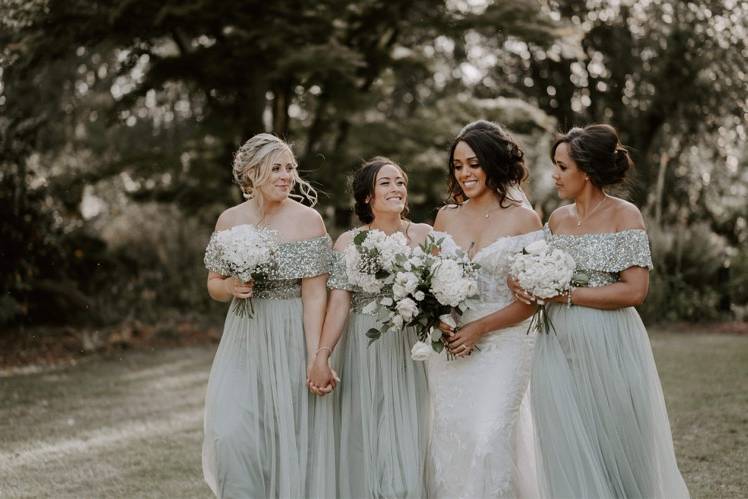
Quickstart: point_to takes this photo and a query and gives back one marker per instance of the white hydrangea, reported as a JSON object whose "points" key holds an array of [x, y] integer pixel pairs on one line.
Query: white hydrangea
{"points": [[543, 271], [449, 283]]}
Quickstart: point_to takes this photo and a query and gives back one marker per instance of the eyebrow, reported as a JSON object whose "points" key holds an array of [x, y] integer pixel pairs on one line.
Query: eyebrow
{"points": [[467, 159]]}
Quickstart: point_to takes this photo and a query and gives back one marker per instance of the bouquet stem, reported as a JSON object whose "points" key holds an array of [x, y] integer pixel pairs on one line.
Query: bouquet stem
{"points": [[243, 307], [541, 321]]}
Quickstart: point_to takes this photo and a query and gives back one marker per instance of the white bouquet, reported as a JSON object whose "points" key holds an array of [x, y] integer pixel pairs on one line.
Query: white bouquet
{"points": [[427, 284], [544, 272], [372, 258], [247, 252]]}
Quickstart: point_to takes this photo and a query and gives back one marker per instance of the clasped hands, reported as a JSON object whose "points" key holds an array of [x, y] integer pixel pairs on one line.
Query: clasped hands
{"points": [[321, 378]]}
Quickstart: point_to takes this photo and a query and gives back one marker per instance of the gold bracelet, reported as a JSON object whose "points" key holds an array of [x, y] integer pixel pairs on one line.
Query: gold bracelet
{"points": [[569, 302]]}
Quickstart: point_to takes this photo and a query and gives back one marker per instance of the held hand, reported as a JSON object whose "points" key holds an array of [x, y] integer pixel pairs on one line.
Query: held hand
{"points": [[463, 342], [519, 293], [321, 378], [239, 289]]}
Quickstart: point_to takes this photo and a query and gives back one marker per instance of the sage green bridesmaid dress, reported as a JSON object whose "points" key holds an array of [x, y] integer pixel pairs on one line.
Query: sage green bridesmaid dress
{"points": [[266, 435], [600, 420], [381, 406]]}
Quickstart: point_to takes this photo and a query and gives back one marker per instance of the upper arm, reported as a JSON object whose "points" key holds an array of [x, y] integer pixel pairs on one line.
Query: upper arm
{"points": [[344, 240]]}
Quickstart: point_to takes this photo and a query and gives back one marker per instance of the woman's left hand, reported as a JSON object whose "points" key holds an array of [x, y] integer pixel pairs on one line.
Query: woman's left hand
{"points": [[463, 342], [519, 292]]}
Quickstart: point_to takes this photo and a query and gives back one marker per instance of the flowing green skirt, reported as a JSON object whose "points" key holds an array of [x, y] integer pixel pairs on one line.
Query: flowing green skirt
{"points": [[266, 435], [600, 420], [381, 414]]}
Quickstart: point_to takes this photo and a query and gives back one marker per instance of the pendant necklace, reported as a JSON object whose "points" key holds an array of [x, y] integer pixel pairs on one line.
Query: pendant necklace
{"points": [[587, 215]]}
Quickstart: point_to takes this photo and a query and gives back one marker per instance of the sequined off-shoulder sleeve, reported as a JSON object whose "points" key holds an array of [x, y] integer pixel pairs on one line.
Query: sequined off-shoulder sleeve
{"points": [[632, 250], [213, 256], [338, 277], [300, 259]]}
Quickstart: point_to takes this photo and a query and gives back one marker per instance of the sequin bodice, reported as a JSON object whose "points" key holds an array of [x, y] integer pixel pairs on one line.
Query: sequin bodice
{"points": [[601, 257], [292, 261]]}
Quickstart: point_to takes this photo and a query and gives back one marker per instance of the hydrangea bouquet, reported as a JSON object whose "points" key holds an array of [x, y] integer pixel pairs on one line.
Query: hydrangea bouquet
{"points": [[543, 272], [247, 252]]}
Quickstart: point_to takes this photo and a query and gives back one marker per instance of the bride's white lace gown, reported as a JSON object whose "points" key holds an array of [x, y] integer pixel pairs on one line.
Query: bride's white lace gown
{"points": [[478, 429]]}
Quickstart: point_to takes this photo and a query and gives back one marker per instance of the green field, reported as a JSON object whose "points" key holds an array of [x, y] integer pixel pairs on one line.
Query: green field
{"points": [[130, 426]]}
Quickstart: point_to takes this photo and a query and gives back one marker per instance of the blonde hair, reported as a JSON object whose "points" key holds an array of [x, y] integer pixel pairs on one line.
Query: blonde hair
{"points": [[252, 168]]}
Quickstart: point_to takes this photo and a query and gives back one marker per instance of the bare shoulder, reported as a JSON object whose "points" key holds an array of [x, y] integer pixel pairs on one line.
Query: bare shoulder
{"points": [[527, 220], [445, 215], [559, 216], [308, 222], [419, 232], [344, 240], [626, 215], [231, 217]]}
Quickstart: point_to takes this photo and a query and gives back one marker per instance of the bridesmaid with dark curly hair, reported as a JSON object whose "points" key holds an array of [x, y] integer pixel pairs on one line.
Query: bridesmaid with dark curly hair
{"points": [[382, 401]]}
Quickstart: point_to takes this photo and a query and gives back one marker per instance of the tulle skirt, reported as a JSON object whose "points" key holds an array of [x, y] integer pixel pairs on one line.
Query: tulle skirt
{"points": [[600, 420], [266, 435], [382, 414]]}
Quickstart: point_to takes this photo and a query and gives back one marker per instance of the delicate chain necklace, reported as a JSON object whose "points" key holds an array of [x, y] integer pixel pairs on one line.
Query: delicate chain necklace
{"points": [[587, 215], [486, 214]]}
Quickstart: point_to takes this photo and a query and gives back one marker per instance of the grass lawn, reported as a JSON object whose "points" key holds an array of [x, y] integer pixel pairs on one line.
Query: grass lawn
{"points": [[130, 426]]}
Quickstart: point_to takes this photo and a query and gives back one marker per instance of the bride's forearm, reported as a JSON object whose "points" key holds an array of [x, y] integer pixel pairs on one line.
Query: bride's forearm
{"points": [[510, 315]]}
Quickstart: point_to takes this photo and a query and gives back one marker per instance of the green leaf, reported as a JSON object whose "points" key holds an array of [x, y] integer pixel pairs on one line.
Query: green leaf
{"points": [[373, 333], [360, 237], [438, 346]]}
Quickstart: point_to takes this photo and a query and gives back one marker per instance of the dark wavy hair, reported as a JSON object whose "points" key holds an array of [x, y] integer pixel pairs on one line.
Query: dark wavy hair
{"points": [[499, 156], [598, 152], [364, 183]]}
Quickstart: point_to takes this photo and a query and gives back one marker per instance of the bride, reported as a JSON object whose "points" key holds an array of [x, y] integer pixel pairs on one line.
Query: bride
{"points": [[476, 397]]}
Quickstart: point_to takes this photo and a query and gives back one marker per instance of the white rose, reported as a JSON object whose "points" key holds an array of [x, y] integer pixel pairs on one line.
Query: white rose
{"points": [[386, 301], [407, 308], [419, 295], [421, 351]]}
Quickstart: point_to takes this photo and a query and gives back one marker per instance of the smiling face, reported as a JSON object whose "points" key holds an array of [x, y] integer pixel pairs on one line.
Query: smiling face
{"points": [[390, 191], [569, 180], [467, 171], [280, 178]]}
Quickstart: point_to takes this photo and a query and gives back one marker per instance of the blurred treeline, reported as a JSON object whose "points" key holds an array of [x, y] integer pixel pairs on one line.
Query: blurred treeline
{"points": [[118, 121]]}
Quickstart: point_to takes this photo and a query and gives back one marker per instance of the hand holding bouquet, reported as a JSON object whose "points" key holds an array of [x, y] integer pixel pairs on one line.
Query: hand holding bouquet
{"points": [[246, 252], [544, 272]]}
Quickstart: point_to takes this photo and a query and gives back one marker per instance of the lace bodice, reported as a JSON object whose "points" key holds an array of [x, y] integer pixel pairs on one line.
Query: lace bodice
{"points": [[293, 261], [601, 257], [494, 261]]}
